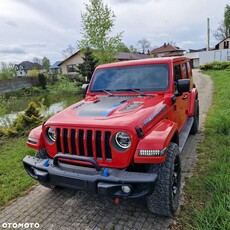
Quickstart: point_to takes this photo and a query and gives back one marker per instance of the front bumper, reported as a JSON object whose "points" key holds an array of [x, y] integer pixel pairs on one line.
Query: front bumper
{"points": [[52, 172]]}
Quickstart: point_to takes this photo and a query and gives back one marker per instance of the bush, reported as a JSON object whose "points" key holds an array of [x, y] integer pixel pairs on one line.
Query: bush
{"points": [[215, 65], [3, 105], [42, 80], [64, 86], [25, 122]]}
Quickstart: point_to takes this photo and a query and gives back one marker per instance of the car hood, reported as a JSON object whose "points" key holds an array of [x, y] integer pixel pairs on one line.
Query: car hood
{"points": [[110, 111]]}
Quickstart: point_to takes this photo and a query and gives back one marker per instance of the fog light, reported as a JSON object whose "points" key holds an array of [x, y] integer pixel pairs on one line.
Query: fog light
{"points": [[126, 189]]}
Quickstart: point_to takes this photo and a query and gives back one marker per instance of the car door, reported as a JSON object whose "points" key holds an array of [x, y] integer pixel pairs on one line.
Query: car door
{"points": [[182, 99]]}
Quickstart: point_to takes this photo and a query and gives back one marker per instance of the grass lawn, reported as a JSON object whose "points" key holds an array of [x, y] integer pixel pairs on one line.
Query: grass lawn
{"points": [[207, 201], [13, 178]]}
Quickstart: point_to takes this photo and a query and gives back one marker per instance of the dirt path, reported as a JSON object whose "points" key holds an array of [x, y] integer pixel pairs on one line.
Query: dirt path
{"points": [[67, 209]]}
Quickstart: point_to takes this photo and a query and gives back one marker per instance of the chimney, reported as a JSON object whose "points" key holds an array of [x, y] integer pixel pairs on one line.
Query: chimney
{"points": [[208, 35]]}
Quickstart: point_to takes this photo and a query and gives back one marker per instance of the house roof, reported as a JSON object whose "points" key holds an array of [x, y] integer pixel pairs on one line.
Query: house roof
{"points": [[130, 56], [222, 41], [69, 57], [27, 65], [165, 48], [198, 50], [119, 56], [55, 65], [192, 55]]}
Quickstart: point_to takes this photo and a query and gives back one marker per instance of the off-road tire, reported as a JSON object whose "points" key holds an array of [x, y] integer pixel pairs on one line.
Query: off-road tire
{"points": [[166, 195], [195, 125], [42, 154]]}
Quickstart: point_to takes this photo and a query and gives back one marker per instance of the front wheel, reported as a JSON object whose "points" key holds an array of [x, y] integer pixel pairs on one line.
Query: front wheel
{"points": [[42, 154], [165, 198]]}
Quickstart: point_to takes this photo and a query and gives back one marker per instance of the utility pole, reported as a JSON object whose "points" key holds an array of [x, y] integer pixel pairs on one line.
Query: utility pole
{"points": [[208, 35]]}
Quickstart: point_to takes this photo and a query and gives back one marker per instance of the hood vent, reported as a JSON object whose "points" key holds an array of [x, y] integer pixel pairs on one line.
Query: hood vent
{"points": [[132, 106]]}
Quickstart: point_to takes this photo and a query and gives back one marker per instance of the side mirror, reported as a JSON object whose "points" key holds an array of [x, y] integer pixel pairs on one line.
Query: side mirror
{"points": [[183, 85], [85, 88]]}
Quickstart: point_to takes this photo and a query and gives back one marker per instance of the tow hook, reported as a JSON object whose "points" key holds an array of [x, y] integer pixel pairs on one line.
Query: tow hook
{"points": [[117, 200]]}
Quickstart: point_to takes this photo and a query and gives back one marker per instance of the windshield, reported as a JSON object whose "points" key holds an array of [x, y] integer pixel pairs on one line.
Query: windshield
{"points": [[148, 78]]}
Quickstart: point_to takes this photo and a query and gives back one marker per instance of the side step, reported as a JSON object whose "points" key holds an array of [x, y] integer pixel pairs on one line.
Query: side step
{"points": [[185, 133]]}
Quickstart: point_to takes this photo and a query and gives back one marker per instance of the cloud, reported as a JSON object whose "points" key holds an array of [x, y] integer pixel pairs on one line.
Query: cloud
{"points": [[41, 28], [132, 1], [12, 49], [7, 22], [183, 29], [163, 35]]}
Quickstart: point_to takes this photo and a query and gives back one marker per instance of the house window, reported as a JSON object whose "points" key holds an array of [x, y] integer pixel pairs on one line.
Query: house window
{"points": [[71, 68], [226, 44], [184, 68]]}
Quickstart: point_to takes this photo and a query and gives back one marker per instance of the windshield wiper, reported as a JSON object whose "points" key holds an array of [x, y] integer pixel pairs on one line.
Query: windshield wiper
{"points": [[133, 90], [103, 90]]}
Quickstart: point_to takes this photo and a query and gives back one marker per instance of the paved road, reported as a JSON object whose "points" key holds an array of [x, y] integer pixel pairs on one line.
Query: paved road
{"points": [[67, 209]]}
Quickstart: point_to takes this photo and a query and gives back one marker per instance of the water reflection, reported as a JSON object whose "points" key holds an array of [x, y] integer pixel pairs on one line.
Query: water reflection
{"points": [[49, 105]]}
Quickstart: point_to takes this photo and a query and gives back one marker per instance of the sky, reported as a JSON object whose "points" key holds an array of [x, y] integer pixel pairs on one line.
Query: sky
{"points": [[38, 28]]}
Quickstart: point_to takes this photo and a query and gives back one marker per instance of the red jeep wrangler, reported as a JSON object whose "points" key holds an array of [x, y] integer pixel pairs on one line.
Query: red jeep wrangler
{"points": [[125, 138]]}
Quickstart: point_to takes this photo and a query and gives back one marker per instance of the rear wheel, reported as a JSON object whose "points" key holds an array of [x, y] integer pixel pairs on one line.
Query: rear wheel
{"points": [[165, 198]]}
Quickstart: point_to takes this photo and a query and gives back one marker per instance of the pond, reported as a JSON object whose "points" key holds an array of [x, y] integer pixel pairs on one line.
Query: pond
{"points": [[48, 103]]}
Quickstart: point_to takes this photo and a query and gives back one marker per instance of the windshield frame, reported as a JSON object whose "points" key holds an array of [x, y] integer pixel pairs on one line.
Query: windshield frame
{"points": [[129, 88]]}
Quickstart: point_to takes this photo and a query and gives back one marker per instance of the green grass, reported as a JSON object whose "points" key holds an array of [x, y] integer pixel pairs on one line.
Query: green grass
{"points": [[13, 178], [207, 201]]}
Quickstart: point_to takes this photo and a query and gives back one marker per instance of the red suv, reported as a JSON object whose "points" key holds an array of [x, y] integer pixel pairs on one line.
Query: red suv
{"points": [[125, 138]]}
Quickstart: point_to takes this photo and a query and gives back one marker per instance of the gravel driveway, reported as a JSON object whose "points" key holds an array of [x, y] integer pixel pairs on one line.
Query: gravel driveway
{"points": [[67, 209]]}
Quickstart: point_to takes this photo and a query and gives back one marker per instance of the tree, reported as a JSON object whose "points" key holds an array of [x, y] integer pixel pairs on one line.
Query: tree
{"points": [[172, 43], [87, 67], [70, 50], [123, 48], [144, 44], [45, 63], [37, 60], [227, 19], [223, 30], [42, 80], [7, 70], [133, 49], [97, 24], [33, 72]]}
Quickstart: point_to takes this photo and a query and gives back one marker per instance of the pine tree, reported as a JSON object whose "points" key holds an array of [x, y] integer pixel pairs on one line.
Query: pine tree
{"points": [[89, 64]]}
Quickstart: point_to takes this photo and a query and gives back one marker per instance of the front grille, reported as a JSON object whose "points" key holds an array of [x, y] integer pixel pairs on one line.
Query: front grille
{"points": [[83, 142]]}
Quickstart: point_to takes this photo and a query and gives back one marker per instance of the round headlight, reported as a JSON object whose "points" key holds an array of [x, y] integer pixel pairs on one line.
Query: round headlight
{"points": [[123, 140], [51, 134]]}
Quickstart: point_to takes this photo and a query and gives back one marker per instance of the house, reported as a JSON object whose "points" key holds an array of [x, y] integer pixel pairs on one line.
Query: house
{"points": [[55, 68], [194, 59], [201, 56], [167, 50], [69, 65], [23, 68], [224, 44]]}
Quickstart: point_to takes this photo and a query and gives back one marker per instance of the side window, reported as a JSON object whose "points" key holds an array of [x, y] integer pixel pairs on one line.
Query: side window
{"points": [[177, 76], [184, 67], [189, 69]]}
